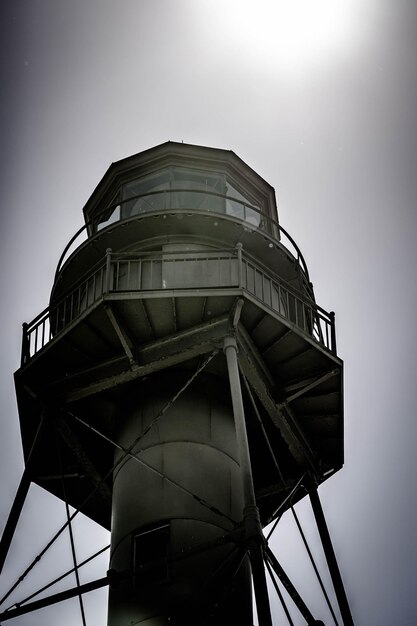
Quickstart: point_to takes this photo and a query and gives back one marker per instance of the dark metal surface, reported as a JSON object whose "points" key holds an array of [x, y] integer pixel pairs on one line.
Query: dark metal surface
{"points": [[290, 588], [250, 512], [55, 598], [330, 556], [20, 498], [100, 380], [128, 276]]}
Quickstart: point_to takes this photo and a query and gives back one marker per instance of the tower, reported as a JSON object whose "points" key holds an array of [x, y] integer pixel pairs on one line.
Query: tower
{"points": [[185, 385]]}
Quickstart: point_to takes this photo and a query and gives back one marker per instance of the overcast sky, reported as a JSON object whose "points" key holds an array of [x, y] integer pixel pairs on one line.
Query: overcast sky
{"points": [[322, 103]]}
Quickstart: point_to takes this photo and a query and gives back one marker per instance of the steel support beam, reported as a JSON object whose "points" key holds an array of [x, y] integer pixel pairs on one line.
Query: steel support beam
{"points": [[75, 446], [113, 577], [19, 500], [70, 531], [57, 597], [291, 590], [121, 333], [330, 556], [279, 594], [135, 456], [252, 524], [308, 386], [14, 515], [156, 356], [252, 370]]}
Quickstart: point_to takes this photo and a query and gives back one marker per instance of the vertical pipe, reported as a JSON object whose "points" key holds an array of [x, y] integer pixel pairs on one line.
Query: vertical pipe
{"points": [[230, 350], [330, 556], [253, 530]]}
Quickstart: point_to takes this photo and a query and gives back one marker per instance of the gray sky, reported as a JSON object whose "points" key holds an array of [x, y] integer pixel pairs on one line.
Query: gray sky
{"points": [[320, 103]]}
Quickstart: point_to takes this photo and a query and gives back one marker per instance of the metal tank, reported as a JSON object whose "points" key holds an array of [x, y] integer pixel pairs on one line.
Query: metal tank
{"points": [[191, 382]]}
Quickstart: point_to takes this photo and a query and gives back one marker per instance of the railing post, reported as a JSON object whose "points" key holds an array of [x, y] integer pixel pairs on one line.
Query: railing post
{"points": [[108, 268], [25, 355], [333, 331], [239, 247]]}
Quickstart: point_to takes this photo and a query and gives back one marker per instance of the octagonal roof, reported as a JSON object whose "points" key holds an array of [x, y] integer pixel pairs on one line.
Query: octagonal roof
{"points": [[192, 157]]}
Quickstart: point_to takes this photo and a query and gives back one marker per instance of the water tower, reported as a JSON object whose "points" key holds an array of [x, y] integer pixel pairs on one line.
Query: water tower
{"points": [[185, 386]]}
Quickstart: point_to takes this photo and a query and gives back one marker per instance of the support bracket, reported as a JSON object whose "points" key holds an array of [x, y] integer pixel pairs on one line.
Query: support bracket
{"points": [[257, 375], [124, 338]]}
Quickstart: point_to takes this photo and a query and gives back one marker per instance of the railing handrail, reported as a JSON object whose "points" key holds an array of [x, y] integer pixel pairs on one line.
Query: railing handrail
{"points": [[161, 255], [164, 253], [108, 209], [158, 255], [37, 318], [103, 267], [217, 194], [274, 275], [275, 278], [91, 270]]}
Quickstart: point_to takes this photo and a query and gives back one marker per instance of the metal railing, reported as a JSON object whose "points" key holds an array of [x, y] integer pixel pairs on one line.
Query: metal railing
{"points": [[177, 200], [174, 270], [311, 319], [54, 319], [178, 271]]}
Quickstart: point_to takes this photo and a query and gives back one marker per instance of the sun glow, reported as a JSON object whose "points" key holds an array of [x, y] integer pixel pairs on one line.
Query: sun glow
{"points": [[286, 34]]}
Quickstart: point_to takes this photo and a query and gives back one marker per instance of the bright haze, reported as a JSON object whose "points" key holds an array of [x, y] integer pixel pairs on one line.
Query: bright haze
{"points": [[320, 98]]}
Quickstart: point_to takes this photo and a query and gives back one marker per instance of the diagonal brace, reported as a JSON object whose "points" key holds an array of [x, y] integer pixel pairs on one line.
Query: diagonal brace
{"points": [[311, 385], [121, 333], [19, 499], [292, 591]]}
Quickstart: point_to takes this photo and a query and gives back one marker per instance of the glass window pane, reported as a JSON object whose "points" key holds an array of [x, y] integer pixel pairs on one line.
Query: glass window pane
{"points": [[113, 217], [235, 208], [202, 189], [150, 556], [240, 208], [253, 217], [151, 191]]}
